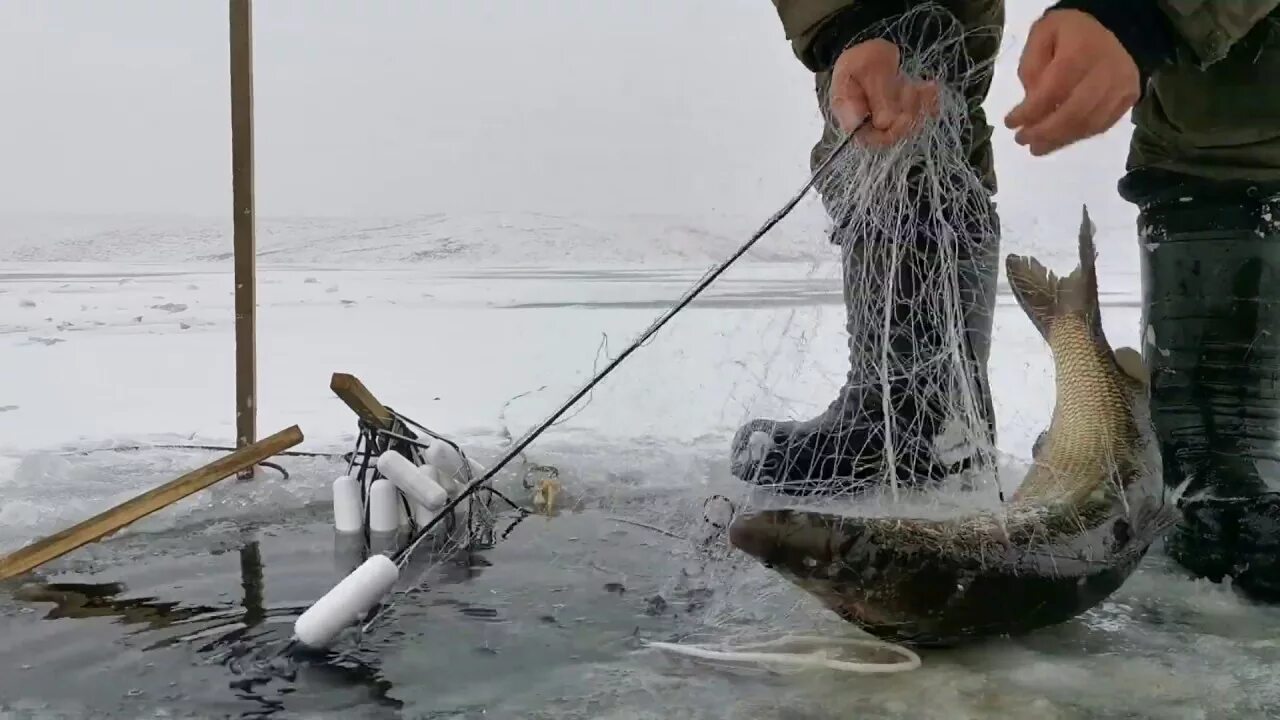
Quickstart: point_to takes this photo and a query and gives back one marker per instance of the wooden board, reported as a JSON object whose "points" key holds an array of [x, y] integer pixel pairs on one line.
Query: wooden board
{"points": [[362, 402], [110, 521]]}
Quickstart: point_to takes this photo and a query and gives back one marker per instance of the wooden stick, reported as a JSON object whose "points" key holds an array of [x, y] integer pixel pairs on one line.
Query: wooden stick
{"points": [[242, 222], [105, 523], [362, 402]]}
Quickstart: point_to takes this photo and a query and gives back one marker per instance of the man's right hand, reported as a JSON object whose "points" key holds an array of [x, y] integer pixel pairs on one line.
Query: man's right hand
{"points": [[868, 79]]}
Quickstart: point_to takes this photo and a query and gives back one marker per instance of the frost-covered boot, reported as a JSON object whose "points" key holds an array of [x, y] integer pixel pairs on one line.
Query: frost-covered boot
{"points": [[843, 448], [1211, 338]]}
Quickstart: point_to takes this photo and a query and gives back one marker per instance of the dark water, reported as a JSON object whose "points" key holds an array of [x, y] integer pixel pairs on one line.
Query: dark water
{"points": [[549, 623], [190, 622]]}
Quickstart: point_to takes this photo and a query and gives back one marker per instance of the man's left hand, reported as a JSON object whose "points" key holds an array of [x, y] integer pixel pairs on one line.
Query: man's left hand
{"points": [[1079, 81]]}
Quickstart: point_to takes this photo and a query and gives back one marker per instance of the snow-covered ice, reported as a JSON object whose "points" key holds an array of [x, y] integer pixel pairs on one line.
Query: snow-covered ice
{"points": [[100, 354], [111, 353]]}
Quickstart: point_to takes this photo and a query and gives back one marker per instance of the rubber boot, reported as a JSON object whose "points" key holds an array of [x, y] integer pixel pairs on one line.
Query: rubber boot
{"points": [[841, 449], [1210, 260]]}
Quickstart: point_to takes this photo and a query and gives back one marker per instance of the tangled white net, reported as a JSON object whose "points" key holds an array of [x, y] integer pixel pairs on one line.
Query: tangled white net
{"points": [[917, 238], [916, 235]]}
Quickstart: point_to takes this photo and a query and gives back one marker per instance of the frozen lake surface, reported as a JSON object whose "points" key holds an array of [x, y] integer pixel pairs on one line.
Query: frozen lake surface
{"points": [[471, 249], [168, 619]]}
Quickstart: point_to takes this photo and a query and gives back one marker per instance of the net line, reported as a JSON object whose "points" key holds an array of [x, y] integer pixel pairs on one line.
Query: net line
{"points": [[913, 226], [425, 532]]}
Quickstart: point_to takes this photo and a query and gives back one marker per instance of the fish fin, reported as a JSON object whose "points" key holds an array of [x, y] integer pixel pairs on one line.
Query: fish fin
{"points": [[1086, 300], [1130, 361], [1044, 296], [1035, 287]]}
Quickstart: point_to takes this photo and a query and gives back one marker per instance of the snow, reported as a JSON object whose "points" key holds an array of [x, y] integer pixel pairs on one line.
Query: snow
{"points": [[100, 354]]}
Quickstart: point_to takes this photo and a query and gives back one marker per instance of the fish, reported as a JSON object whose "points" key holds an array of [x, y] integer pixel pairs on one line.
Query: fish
{"points": [[1088, 509]]}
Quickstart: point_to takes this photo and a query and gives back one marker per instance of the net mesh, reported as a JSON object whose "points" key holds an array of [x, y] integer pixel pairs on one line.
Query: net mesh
{"points": [[917, 238], [913, 234], [910, 431]]}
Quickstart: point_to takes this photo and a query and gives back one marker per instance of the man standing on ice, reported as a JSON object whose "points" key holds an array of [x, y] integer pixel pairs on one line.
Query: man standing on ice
{"points": [[1201, 80]]}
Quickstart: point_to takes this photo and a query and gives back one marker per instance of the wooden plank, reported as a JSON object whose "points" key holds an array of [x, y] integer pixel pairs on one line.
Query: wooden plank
{"points": [[362, 402], [242, 200], [109, 521]]}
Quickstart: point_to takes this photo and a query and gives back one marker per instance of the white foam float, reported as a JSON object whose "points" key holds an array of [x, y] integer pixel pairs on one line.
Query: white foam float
{"points": [[427, 487], [384, 507], [423, 514], [410, 479], [346, 604], [432, 475], [448, 465], [348, 507]]}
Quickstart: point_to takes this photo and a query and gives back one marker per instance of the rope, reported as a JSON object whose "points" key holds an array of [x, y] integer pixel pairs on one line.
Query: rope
{"points": [[759, 653]]}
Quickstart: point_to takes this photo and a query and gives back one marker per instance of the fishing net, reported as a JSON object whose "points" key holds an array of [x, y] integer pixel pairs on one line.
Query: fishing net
{"points": [[909, 428], [911, 247], [911, 251]]}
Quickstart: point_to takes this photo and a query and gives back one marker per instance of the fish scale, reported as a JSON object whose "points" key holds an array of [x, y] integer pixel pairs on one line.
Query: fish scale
{"points": [[1092, 421]]}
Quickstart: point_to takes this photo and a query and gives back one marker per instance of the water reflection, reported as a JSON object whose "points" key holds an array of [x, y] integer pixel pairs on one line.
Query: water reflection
{"points": [[496, 625], [234, 635]]}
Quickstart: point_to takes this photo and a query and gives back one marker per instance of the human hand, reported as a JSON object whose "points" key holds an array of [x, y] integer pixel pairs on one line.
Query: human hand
{"points": [[1079, 81], [867, 80]]}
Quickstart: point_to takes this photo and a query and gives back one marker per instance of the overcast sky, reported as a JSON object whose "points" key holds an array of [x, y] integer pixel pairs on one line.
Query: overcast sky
{"points": [[367, 107]]}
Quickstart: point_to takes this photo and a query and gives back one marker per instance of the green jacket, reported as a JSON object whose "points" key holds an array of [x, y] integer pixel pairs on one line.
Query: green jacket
{"points": [[1214, 112]]}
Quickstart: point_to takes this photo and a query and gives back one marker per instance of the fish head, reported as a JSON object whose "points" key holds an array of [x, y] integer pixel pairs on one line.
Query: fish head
{"points": [[854, 551], [787, 539], [828, 556], [868, 570], [887, 576]]}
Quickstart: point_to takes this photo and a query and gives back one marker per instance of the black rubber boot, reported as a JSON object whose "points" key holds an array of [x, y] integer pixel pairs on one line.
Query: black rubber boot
{"points": [[1211, 338], [841, 449]]}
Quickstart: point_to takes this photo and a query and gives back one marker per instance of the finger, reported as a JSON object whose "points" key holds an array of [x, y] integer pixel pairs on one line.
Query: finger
{"points": [[882, 92], [1124, 101], [1037, 55], [1075, 115], [908, 103], [1074, 120], [1050, 90], [871, 137], [1107, 113], [929, 95], [1042, 41], [1110, 115], [849, 106], [917, 106], [1121, 108]]}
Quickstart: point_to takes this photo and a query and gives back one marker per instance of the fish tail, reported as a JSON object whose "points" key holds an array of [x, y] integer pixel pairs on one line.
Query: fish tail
{"points": [[1044, 296]]}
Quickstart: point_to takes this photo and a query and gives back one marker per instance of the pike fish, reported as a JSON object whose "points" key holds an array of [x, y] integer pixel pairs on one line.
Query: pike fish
{"points": [[1084, 516]]}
